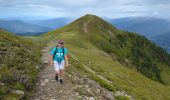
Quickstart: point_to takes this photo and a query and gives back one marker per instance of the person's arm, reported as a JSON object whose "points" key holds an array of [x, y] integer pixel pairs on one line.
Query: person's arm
{"points": [[51, 60], [51, 56], [66, 60]]}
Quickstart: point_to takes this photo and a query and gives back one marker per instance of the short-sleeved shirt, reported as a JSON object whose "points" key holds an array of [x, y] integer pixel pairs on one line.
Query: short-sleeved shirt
{"points": [[59, 54]]}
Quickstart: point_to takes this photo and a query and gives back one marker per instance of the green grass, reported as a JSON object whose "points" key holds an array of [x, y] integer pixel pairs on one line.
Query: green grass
{"points": [[84, 52], [19, 58], [121, 98], [117, 60], [131, 50]]}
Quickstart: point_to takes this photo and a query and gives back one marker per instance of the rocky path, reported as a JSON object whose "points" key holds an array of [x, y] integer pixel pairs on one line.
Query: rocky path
{"points": [[48, 88]]}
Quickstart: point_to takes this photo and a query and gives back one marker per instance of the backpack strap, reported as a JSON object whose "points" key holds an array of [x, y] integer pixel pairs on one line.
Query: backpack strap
{"points": [[56, 50], [63, 51]]}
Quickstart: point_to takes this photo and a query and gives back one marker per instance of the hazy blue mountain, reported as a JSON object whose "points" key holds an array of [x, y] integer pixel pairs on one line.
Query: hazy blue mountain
{"points": [[163, 40], [143, 25], [52, 23], [157, 30], [23, 28]]}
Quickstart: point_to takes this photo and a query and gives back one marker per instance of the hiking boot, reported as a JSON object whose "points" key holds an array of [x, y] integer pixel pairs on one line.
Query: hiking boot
{"points": [[56, 77], [61, 81]]}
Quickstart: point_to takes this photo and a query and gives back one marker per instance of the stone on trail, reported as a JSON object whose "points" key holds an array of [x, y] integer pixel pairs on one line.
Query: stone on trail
{"points": [[46, 62], [42, 84], [46, 80], [18, 92], [91, 98]]}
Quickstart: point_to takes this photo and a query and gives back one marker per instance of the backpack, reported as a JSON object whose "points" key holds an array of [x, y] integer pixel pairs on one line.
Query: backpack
{"points": [[56, 50]]}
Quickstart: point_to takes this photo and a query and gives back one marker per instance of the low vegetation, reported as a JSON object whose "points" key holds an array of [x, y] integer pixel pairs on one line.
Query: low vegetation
{"points": [[19, 63], [111, 61], [117, 60]]}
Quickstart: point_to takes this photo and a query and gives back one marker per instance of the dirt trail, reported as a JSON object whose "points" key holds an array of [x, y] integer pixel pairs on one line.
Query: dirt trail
{"points": [[85, 26], [48, 88]]}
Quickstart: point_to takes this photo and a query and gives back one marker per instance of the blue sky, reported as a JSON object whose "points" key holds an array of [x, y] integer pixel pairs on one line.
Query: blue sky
{"points": [[46, 9]]}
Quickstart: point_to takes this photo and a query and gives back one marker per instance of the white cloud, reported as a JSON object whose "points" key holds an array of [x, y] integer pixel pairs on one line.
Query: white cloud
{"points": [[76, 8]]}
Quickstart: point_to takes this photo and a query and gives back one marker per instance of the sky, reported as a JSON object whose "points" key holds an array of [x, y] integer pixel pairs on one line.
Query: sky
{"points": [[47, 9]]}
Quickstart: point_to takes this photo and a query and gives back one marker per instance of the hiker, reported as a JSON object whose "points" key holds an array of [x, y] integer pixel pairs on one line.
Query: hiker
{"points": [[60, 60]]}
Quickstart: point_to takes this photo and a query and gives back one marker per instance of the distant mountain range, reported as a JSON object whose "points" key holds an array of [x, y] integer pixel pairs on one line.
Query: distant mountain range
{"points": [[52, 23], [23, 28], [154, 29], [163, 40], [33, 27]]}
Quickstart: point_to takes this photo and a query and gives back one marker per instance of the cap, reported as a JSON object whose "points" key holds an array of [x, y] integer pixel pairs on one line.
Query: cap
{"points": [[60, 42]]}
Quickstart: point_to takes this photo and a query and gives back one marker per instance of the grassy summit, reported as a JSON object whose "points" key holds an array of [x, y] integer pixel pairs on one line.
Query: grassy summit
{"points": [[18, 60], [130, 49], [125, 60]]}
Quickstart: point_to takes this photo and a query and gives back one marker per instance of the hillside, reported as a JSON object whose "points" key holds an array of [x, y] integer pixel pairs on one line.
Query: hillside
{"points": [[19, 64], [23, 28], [117, 60], [155, 29]]}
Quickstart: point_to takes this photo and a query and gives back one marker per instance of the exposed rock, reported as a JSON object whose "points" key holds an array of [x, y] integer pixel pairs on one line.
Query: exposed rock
{"points": [[52, 99], [88, 90], [86, 86], [18, 92], [91, 98], [42, 84], [77, 94], [37, 67], [46, 62], [122, 93], [2, 84], [46, 80], [60, 91], [109, 96], [98, 91]]}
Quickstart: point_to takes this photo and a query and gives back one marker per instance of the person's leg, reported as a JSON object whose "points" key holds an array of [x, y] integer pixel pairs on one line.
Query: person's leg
{"points": [[61, 74], [61, 70], [56, 66], [56, 75]]}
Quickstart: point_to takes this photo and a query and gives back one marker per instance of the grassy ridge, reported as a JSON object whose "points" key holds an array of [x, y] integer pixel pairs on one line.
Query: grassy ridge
{"points": [[19, 59], [95, 54], [132, 50], [84, 53]]}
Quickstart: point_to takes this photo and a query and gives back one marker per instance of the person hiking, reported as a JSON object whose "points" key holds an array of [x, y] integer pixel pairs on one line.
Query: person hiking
{"points": [[59, 59]]}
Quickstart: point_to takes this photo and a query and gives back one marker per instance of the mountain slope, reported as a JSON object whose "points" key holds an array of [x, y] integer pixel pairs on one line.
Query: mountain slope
{"points": [[18, 60], [128, 48], [114, 58], [23, 28], [152, 28]]}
